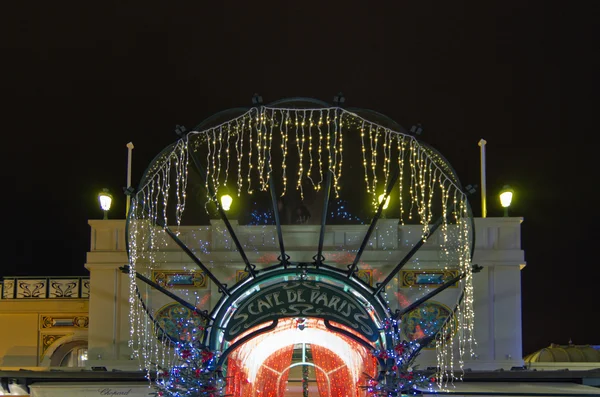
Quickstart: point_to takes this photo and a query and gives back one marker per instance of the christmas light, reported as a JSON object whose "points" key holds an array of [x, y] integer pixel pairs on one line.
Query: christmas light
{"points": [[339, 361], [262, 138]]}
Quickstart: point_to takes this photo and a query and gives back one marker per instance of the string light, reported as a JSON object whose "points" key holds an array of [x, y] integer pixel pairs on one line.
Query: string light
{"points": [[340, 362], [428, 186]]}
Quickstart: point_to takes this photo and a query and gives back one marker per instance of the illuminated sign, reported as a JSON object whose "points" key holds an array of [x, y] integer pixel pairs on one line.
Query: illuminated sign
{"points": [[302, 299]]}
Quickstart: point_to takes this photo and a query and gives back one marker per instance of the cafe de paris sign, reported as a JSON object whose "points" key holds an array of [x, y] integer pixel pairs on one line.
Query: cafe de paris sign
{"points": [[302, 299]]}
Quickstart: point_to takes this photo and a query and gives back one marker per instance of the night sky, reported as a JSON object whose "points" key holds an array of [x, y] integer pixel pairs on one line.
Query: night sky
{"points": [[81, 79]]}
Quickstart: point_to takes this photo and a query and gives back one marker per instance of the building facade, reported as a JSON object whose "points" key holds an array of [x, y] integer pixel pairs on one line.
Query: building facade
{"points": [[84, 323], [497, 286]]}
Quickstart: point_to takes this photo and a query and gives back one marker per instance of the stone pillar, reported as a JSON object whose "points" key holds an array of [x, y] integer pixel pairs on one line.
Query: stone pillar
{"points": [[108, 335], [507, 315]]}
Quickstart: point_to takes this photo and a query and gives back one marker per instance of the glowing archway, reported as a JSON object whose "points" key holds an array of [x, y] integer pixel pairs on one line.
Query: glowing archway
{"points": [[335, 355], [248, 150], [253, 353]]}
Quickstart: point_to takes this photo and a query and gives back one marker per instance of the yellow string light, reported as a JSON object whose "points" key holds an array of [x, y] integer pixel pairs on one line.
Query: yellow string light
{"points": [[254, 131]]}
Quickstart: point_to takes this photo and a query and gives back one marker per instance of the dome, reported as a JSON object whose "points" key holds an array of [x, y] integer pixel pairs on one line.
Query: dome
{"points": [[226, 147], [564, 353], [380, 119]]}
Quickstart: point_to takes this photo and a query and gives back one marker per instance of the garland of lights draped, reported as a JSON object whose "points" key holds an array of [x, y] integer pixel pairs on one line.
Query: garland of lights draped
{"points": [[339, 362], [193, 373], [239, 155]]}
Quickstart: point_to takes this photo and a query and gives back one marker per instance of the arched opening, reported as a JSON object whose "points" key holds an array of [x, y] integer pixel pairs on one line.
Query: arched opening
{"points": [[71, 354], [299, 353]]}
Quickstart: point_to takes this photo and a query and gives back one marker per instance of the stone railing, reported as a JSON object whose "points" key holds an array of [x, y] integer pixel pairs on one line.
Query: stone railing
{"points": [[45, 288], [491, 234]]}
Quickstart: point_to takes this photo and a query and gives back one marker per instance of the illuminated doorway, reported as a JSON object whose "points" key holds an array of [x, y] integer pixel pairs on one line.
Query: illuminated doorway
{"points": [[299, 357]]}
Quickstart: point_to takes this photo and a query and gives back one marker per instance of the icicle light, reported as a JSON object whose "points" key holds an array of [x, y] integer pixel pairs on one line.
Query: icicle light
{"points": [[240, 154]]}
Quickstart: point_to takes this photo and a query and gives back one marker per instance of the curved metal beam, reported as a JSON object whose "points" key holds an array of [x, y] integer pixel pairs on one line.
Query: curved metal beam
{"points": [[350, 335], [245, 339], [299, 99]]}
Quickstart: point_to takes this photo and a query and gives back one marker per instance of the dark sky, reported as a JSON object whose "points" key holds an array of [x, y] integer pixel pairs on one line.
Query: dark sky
{"points": [[81, 79]]}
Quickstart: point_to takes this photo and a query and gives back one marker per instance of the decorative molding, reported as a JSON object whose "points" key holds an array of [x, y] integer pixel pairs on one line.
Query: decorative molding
{"points": [[64, 321], [179, 278], [426, 320], [63, 288], [32, 288], [47, 340], [365, 275], [8, 289], [240, 275], [85, 288], [177, 320], [45, 288], [426, 278]]}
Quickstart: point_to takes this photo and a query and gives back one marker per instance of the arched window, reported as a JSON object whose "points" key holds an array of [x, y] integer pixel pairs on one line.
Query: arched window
{"points": [[71, 354]]}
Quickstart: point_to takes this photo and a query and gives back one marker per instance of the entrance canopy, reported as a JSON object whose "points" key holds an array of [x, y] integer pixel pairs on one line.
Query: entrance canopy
{"points": [[284, 167]]}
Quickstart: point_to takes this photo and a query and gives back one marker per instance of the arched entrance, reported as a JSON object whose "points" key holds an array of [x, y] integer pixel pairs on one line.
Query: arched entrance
{"points": [[291, 272], [299, 354], [285, 331]]}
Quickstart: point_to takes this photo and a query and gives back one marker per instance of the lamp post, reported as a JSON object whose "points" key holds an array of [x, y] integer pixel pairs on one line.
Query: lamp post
{"points": [[105, 199], [226, 201], [506, 196]]}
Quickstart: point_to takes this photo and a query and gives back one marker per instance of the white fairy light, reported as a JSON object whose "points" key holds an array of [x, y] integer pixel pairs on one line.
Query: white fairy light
{"points": [[320, 162], [285, 122], [239, 143], [254, 133], [310, 150]]}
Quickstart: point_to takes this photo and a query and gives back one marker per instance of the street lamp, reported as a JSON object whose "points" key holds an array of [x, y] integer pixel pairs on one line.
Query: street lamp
{"points": [[226, 201], [506, 196], [387, 201], [105, 199]]}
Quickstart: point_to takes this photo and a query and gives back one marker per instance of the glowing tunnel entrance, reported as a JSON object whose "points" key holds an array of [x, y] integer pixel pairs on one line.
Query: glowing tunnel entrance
{"points": [[299, 354]]}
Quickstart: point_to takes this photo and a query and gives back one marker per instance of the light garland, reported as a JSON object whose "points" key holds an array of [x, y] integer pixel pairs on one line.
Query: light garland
{"points": [[262, 363], [240, 152], [193, 373], [399, 375], [307, 129]]}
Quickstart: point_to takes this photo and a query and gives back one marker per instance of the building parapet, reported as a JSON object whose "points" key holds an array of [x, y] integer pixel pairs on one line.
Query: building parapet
{"points": [[45, 288], [502, 234]]}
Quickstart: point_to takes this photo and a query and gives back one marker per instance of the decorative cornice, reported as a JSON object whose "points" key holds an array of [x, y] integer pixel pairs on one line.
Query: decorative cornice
{"points": [[80, 321]]}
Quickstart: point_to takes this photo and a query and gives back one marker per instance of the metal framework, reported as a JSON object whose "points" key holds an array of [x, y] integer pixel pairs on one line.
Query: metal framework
{"points": [[318, 260]]}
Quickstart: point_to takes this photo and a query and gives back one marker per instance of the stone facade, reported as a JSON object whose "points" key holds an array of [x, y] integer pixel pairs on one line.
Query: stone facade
{"points": [[497, 286]]}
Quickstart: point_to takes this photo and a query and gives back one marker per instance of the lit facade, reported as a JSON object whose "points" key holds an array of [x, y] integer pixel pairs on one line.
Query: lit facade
{"points": [[497, 286], [45, 322], [45, 330]]}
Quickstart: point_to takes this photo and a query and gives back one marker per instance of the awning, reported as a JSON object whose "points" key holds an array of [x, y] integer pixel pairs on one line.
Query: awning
{"points": [[74, 389], [516, 389]]}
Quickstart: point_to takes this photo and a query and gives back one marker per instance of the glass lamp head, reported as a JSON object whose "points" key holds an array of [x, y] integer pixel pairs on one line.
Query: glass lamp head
{"points": [[105, 199], [387, 201], [506, 196], [226, 201]]}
